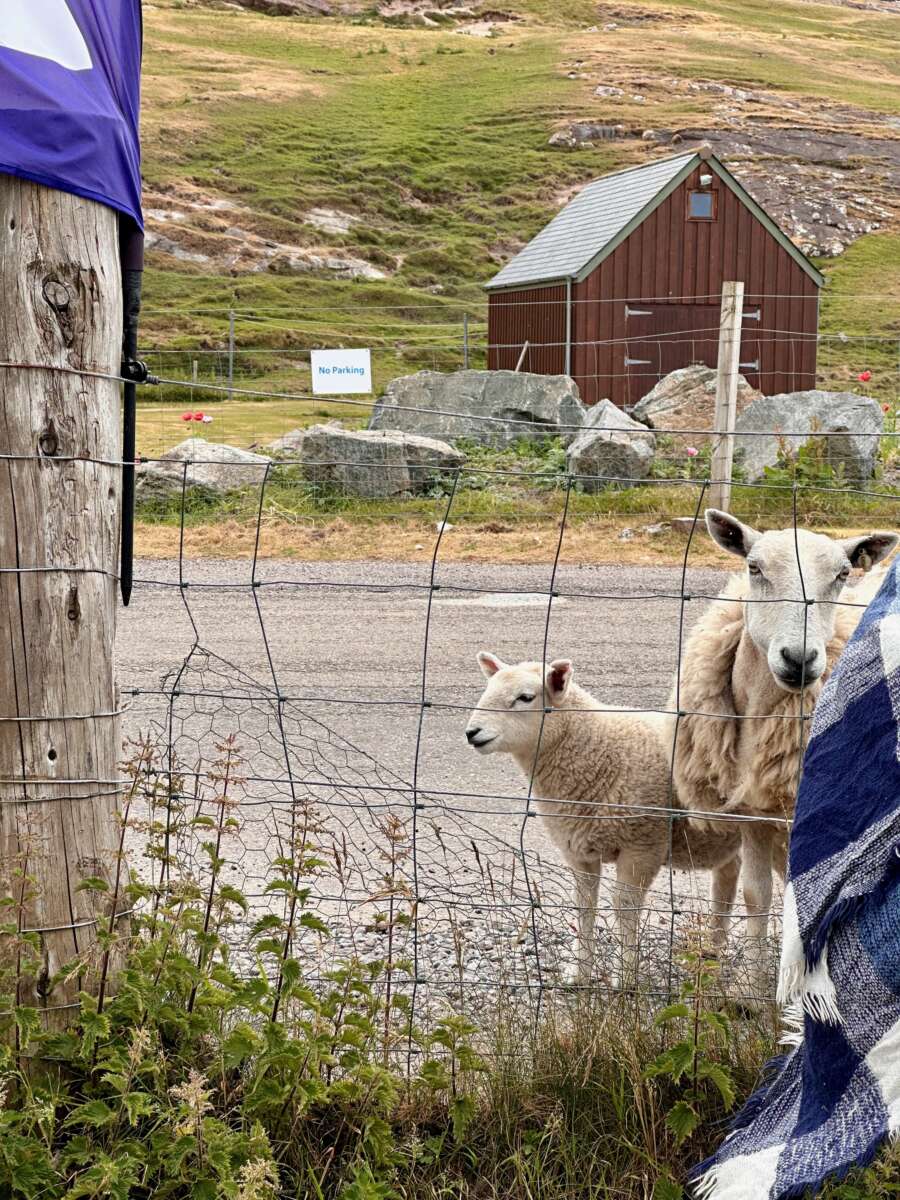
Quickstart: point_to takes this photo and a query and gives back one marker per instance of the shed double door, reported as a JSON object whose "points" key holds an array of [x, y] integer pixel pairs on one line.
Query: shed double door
{"points": [[665, 337]]}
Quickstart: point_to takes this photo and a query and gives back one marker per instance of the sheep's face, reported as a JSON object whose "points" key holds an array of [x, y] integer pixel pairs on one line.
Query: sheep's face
{"points": [[795, 581], [510, 713]]}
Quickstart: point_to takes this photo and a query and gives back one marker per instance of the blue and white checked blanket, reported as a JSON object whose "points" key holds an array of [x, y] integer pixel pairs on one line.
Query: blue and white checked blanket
{"points": [[833, 1100]]}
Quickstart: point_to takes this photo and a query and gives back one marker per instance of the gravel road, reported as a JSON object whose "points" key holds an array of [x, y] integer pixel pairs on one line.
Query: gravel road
{"points": [[347, 643]]}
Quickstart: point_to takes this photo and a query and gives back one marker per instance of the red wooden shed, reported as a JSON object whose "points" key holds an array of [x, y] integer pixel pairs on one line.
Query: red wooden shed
{"points": [[624, 284]]}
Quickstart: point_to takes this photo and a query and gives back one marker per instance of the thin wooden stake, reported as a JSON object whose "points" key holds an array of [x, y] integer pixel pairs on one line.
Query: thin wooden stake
{"points": [[730, 324]]}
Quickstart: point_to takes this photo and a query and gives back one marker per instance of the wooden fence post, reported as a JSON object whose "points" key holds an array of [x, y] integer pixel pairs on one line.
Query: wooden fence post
{"points": [[60, 306], [730, 325]]}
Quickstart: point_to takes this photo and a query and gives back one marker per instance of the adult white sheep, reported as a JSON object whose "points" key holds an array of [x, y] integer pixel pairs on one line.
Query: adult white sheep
{"points": [[588, 768], [758, 658]]}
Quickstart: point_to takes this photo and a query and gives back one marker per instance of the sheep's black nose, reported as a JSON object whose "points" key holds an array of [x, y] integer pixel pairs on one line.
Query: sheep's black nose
{"points": [[796, 661], [472, 734]]}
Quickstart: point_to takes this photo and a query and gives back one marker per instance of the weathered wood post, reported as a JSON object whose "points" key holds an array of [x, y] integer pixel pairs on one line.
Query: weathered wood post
{"points": [[730, 325], [60, 307]]}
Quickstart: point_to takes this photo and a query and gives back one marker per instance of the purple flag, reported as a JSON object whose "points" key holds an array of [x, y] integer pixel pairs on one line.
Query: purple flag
{"points": [[70, 95]]}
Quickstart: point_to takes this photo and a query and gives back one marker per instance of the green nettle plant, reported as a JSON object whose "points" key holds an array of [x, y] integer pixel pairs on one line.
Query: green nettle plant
{"points": [[695, 1062], [807, 465]]}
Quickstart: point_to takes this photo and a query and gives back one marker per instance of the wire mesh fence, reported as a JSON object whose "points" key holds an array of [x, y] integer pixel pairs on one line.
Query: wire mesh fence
{"points": [[344, 705], [302, 760]]}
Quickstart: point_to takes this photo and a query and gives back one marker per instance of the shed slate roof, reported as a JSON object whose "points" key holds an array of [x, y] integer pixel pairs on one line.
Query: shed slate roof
{"points": [[597, 219]]}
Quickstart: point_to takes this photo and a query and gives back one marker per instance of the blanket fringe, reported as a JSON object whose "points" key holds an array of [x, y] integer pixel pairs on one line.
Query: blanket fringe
{"points": [[792, 1020], [704, 1186], [818, 996]]}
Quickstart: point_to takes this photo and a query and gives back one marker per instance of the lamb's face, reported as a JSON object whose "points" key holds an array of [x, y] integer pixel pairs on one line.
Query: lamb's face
{"points": [[795, 581], [509, 715]]}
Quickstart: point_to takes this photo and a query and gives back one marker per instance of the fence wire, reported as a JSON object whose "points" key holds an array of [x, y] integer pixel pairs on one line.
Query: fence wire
{"points": [[458, 884], [303, 740]]}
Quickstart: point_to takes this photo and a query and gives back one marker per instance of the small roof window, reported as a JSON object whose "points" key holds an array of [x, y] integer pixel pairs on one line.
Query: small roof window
{"points": [[702, 206]]}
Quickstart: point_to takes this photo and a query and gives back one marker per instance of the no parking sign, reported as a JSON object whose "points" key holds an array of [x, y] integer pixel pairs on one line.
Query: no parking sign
{"points": [[341, 372]]}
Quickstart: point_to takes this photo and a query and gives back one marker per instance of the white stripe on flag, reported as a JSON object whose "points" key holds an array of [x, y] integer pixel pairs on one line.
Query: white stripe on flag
{"points": [[46, 29]]}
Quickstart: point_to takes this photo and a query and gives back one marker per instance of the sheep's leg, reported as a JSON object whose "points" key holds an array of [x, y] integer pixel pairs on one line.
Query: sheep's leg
{"points": [[724, 890], [634, 874], [757, 844], [587, 885]]}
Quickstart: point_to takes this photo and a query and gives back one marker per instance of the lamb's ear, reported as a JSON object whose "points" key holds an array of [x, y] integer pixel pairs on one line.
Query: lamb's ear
{"points": [[730, 533], [559, 676], [864, 552], [490, 663]]}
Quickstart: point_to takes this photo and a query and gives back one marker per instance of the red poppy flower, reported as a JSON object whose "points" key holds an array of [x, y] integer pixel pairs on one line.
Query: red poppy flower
{"points": [[864, 376]]}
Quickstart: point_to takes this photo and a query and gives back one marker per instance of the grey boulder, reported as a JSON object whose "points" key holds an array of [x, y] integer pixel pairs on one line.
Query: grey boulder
{"points": [[289, 443], [375, 464], [611, 449], [212, 468], [491, 407], [686, 400], [856, 421]]}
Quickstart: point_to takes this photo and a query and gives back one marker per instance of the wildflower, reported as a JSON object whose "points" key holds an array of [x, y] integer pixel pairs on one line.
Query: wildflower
{"points": [[692, 451], [198, 416], [864, 376], [886, 408], [194, 1097], [187, 416], [141, 1041], [258, 1180], [206, 418]]}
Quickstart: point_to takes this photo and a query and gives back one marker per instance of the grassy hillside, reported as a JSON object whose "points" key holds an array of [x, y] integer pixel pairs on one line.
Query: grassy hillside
{"points": [[432, 145]]}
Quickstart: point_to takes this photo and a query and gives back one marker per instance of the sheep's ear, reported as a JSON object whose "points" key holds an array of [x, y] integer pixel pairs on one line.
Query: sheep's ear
{"points": [[864, 552], [559, 676], [490, 663], [730, 533]]}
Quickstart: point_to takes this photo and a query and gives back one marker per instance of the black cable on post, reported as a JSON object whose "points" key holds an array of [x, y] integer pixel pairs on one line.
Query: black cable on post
{"points": [[131, 251]]}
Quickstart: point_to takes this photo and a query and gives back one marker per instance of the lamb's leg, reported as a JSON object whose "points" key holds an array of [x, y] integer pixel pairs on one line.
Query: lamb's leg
{"points": [[635, 871], [757, 842], [587, 884], [724, 890]]}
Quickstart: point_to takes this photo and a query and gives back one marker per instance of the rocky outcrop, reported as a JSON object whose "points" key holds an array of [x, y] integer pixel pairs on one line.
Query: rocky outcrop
{"points": [[854, 423], [585, 133], [611, 449], [288, 8], [492, 407], [375, 464], [212, 468]]}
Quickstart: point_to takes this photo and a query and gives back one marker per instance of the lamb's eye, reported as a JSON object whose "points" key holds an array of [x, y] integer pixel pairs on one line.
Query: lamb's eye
{"points": [[753, 568], [525, 698]]}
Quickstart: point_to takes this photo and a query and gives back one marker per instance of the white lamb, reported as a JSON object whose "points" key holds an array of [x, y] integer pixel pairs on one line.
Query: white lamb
{"points": [[588, 767]]}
